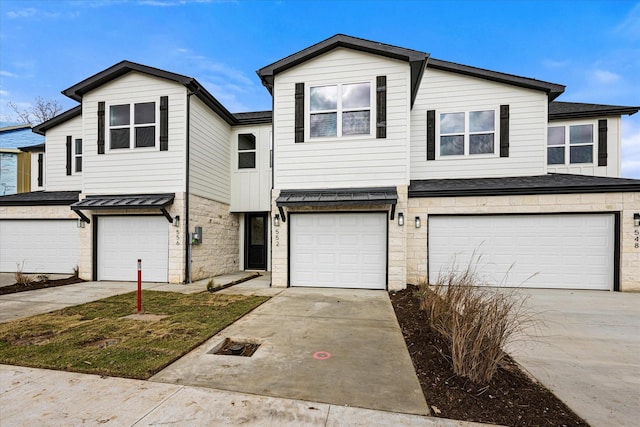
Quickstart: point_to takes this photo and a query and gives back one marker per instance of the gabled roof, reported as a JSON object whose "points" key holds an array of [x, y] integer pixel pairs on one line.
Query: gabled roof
{"points": [[416, 59], [60, 118], [553, 90], [121, 68], [554, 183], [573, 110]]}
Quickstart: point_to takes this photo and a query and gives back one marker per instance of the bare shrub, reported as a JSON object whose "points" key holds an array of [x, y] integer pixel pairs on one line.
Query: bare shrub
{"points": [[21, 278], [478, 321]]}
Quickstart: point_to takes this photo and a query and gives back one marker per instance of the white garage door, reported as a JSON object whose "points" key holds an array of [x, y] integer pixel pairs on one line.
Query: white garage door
{"points": [[572, 251], [39, 245], [122, 240], [339, 250]]}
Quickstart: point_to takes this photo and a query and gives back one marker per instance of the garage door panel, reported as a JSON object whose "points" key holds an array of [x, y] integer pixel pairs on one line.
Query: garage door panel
{"points": [[564, 250], [39, 246], [122, 240], [338, 250]]}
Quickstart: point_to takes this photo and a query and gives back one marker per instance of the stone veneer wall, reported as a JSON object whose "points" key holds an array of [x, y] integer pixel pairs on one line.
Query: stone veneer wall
{"points": [[626, 203], [219, 251], [396, 244]]}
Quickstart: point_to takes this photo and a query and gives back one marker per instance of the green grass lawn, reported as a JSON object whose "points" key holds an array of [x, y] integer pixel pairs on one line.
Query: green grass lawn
{"points": [[94, 338]]}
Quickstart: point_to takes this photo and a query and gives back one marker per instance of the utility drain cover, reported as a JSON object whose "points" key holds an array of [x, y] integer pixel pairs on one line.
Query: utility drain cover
{"points": [[231, 347]]}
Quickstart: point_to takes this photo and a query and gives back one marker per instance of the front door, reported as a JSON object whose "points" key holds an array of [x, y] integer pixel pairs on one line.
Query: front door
{"points": [[256, 241]]}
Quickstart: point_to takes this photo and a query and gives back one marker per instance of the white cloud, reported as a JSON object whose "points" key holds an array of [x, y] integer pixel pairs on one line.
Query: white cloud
{"points": [[631, 147], [552, 63], [5, 73], [4, 93], [32, 12], [630, 26], [604, 76], [171, 3], [22, 13]]}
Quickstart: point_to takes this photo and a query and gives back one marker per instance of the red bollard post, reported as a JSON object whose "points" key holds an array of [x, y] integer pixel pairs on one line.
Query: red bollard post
{"points": [[139, 285]]}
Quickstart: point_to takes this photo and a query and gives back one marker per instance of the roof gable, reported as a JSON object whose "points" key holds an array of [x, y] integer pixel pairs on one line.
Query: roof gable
{"points": [[574, 110], [416, 59]]}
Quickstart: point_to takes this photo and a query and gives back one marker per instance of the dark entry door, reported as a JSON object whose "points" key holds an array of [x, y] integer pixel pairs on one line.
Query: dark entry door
{"points": [[256, 241]]}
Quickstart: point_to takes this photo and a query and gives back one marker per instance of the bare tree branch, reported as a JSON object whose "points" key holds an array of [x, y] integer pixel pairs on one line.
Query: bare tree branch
{"points": [[41, 111]]}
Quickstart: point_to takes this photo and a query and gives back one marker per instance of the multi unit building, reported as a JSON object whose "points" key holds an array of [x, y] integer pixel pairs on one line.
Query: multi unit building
{"points": [[378, 166]]}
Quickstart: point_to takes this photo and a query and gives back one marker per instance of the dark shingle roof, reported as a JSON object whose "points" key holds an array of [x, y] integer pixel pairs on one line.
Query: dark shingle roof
{"points": [[571, 110], [553, 90], [39, 198], [416, 59], [33, 148], [521, 185], [254, 117]]}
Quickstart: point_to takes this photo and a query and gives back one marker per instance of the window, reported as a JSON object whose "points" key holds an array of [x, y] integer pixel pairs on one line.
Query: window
{"points": [[578, 150], [143, 131], [467, 133], [246, 151], [78, 155], [340, 110]]}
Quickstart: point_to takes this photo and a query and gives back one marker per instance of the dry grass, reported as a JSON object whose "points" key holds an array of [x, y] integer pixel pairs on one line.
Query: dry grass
{"points": [[21, 278], [477, 320]]}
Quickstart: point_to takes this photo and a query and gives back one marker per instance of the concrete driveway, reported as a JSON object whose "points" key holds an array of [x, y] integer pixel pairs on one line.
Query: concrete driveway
{"points": [[337, 346], [587, 352]]}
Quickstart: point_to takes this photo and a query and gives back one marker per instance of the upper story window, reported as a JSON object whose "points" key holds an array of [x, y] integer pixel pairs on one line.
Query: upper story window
{"points": [[132, 122], [246, 151], [467, 133], [78, 155], [340, 110], [579, 148]]}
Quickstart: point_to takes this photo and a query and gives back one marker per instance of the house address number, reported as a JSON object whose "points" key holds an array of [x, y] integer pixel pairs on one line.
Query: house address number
{"points": [[636, 239], [277, 237]]}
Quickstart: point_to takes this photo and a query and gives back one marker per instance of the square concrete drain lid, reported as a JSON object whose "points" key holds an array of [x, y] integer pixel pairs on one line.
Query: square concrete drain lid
{"points": [[230, 347]]}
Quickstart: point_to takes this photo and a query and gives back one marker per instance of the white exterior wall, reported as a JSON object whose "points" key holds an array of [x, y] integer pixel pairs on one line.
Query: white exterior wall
{"points": [[56, 178], [613, 167], [444, 91], [136, 170], [356, 161], [251, 188], [209, 153]]}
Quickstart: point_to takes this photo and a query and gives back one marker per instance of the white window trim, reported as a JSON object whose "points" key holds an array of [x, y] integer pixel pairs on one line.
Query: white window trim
{"points": [[466, 155], [132, 126], [75, 156], [339, 111], [567, 143], [253, 132]]}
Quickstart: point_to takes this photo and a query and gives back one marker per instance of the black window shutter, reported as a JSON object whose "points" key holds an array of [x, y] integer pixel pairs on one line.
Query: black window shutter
{"points": [[68, 155], [40, 169], [431, 135], [602, 142], [299, 113], [504, 131], [100, 127], [381, 107], [164, 123]]}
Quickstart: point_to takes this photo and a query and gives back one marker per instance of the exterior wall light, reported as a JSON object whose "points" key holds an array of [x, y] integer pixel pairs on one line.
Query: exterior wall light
{"points": [[636, 219], [276, 220], [176, 221], [80, 223], [418, 222], [400, 219]]}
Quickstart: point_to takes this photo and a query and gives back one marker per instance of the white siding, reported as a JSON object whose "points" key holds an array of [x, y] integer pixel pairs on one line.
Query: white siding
{"points": [[251, 188], [613, 150], [451, 92], [343, 162], [209, 153], [56, 178], [142, 170]]}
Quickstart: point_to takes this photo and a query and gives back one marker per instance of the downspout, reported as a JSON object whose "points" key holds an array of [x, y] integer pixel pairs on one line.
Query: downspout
{"points": [[187, 252]]}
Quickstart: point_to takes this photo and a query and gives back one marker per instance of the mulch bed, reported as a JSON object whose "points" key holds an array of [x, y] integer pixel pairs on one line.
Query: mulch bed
{"points": [[11, 289], [511, 398]]}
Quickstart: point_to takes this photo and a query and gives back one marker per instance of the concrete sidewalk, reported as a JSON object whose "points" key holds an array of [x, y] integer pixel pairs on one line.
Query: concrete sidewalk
{"points": [[38, 397]]}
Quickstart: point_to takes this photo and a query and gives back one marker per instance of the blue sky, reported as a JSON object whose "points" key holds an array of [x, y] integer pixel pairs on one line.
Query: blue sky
{"points": [[592, 47]]}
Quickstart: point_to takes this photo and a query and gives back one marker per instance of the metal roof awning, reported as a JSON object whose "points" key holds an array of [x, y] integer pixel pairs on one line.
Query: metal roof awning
{"points": [[338, 197], [128, 201]]}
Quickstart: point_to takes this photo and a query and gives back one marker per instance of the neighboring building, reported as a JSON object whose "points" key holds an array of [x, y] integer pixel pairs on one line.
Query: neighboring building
{"points": [[16, 164], [378, 166]]}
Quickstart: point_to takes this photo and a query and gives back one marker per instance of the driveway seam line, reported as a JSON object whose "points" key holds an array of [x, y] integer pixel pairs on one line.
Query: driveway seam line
{"points": [[158, 405]]}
